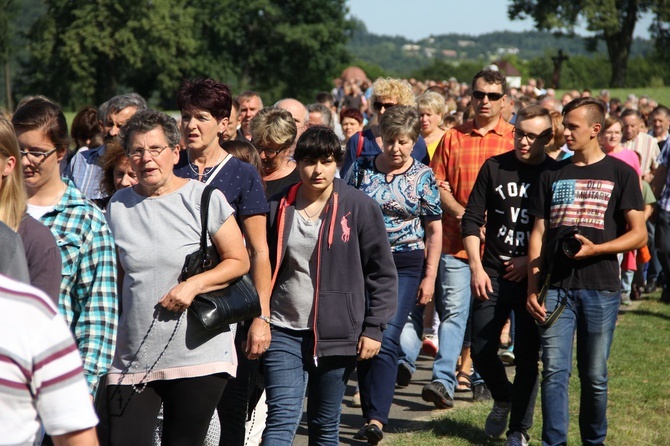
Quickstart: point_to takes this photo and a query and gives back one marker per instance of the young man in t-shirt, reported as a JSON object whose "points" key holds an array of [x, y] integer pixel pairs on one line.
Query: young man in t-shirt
{"points": [[499, 201], [599, 196]]}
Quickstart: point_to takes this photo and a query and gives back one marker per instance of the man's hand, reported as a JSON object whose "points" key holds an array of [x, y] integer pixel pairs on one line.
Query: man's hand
{"points": [[480, 283], [588, 249], [367, 348], [258, 339], [516, 269], [539, 312]]}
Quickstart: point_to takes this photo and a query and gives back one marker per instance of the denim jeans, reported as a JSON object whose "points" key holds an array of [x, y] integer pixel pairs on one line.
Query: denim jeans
{"points": [[289, 372], [452, 301], [377, 376], [488, 319], [410, 338], [663, 243], [593, 314]]}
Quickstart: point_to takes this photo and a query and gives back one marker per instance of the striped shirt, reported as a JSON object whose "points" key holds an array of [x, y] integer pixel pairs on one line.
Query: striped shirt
{"points": [[85, 172], [41, 379], [458, 158], [88, 293], [647, 146]]}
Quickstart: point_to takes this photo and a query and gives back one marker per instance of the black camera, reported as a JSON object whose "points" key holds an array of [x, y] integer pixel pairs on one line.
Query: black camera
{"points": [[571, 244]]}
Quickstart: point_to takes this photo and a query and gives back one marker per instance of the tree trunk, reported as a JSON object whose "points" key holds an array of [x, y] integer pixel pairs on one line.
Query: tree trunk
{"points": [[8, 87], [619, 43]]}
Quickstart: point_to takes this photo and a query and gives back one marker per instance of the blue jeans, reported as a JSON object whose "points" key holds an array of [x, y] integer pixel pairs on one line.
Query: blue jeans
{"points": [[289, 373], [593, 314], [452, 301], [410, 338], [377, 376]]}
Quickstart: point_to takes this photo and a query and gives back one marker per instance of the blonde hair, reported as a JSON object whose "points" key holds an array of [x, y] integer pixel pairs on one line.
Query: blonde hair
{"points": [[13, 194], [393, 88], [431, 101], [273, 125]]}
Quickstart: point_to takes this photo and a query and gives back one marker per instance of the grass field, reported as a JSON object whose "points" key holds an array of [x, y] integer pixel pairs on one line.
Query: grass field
{"points": [[639, 391]]}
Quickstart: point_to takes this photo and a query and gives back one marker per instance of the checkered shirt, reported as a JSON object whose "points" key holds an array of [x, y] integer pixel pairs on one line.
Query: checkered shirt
{"points": [[457, 159], [86, 173], [88, 293]]}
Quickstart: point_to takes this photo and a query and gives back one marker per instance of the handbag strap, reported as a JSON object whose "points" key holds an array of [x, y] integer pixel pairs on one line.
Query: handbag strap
{"points": [[218, 168], [204, 215]]}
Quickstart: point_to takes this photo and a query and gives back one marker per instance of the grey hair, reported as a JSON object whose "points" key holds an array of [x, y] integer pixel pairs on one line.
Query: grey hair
{"points": [[123, 101], [326, 115], [145, 121]]}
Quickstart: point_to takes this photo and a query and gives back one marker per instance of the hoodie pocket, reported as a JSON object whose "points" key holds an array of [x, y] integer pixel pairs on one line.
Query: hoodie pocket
{"points": [[336, 318]]}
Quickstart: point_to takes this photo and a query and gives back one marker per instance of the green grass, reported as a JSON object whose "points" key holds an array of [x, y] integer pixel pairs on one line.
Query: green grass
{"points": [[639, 392]]}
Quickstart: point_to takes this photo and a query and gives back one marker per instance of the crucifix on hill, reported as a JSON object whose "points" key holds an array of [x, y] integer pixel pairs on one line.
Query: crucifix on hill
{"points": [[558, 61]]}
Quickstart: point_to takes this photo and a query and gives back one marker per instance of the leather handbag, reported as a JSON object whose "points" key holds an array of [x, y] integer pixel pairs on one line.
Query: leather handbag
{"points": [[218, 309]]}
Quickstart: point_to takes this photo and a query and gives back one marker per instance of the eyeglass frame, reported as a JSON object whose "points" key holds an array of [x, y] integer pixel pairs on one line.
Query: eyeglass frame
{"points": [[493, 96], [138, 154], [377, 105], [520, 134], [270, 153], [37, 155]]}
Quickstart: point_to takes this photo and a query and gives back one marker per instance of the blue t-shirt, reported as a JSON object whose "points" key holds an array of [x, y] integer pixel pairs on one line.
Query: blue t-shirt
{"points": [[239, 182], [406, 200]]}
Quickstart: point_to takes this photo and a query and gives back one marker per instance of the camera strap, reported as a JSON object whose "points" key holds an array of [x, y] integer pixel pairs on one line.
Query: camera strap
{"points": [[542, 296]]}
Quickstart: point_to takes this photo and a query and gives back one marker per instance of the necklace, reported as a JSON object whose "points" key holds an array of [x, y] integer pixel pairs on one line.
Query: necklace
{"points": [[316, 213], [196, 171]]}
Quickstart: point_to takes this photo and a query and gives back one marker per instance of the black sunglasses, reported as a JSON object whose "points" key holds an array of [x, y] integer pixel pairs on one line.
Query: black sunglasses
{"points": [[479, 95], [378, 105]]}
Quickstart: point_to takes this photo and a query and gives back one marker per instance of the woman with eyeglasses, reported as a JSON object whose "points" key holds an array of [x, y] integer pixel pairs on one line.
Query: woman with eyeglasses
{"points": [[42, 253], [386, 93], [205, 106], [88, 297], [273, 132], [163, 355]]}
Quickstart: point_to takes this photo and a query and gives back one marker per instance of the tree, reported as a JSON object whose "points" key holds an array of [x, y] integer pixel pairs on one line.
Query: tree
{"points": [[611, 20]]}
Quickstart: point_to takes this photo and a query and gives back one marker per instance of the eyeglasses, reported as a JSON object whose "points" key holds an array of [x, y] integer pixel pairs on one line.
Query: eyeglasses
{"points": [[155, 151], [379, 105], [269, 152], [531, 137], [479, 95], [37, 155]]}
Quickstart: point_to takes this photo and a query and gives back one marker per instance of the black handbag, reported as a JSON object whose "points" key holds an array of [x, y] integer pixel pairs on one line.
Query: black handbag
{"points": [[218, 309]]}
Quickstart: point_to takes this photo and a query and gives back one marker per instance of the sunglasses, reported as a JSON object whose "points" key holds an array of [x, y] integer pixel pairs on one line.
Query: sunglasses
{"points": [[479, 95], [531, 137], [379, 105]]}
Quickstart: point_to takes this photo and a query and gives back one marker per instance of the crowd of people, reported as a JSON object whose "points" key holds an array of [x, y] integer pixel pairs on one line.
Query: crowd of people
{"points": [[385, 218]]}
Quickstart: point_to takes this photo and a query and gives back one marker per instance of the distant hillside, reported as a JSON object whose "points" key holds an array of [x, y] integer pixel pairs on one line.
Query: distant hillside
{"points": [[402, 56]]}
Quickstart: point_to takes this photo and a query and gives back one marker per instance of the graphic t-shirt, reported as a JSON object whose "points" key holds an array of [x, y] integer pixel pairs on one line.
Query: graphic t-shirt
{"points": [[592, 198], [500, 199]]}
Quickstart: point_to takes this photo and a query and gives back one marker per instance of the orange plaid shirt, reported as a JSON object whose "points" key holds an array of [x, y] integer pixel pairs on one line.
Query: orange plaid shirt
{"points": [[458, 158]]}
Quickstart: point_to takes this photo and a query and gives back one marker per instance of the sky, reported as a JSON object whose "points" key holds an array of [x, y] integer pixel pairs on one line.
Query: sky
{"points": [[417, 19]]}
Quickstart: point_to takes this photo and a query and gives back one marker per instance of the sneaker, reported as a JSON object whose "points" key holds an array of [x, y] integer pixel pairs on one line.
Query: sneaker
{"points": [[430, 345], [404, 375], [480, 392], [496, 422], [436, 393], [625, 299], [516, 439], [507, 357]]}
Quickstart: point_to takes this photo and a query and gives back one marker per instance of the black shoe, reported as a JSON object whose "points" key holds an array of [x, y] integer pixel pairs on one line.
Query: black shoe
{"points": [[650, 287], [360, 434], [665, 295], [480, 393], [373, 433], [404, 375], [436, 393]]}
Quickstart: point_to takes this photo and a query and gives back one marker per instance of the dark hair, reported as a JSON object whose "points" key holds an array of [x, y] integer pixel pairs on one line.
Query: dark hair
{"points": [[400, 120], [205, 94], [245, 151], [352, 113], [114, 153], [145, 121], [85, 127], [630, 112], [661, 109], [317, 143], [42, 114], [595, 109], [325, 98], [491, 77], [533, 111]]}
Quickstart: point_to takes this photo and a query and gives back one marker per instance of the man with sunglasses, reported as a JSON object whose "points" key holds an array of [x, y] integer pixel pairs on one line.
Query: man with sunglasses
{"points": [[499, 202], [600, 196], [387, 93], [457, 160]]}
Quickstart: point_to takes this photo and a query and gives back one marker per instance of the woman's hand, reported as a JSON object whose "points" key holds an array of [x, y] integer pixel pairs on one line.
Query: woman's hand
{"points": [[258, 339], [179, 298], [426, 290], [367, 348]]}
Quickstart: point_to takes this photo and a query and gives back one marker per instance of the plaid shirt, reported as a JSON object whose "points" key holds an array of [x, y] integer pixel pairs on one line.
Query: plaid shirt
{"points": [[647, 146], [86, 173], [458, 158], [88, 294]]}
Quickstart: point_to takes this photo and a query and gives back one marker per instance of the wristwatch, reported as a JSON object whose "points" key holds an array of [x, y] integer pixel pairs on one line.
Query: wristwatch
{"points": [[264, 318]]}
